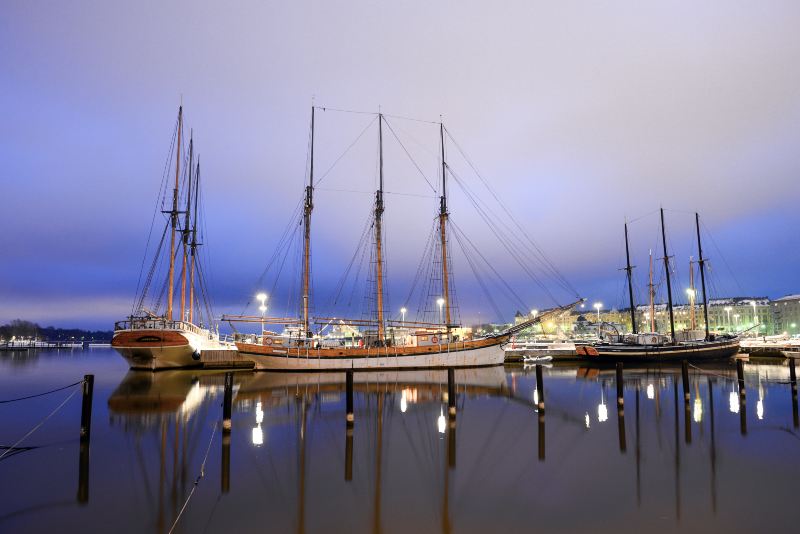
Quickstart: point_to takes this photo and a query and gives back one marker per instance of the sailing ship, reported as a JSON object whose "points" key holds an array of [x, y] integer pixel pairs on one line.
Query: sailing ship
{"points": [[423, 345], [652, 346], [148, 339]]}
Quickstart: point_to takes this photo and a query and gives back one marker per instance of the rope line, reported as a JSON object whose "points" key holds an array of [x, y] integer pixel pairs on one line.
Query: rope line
{"points": [[41, 394], [196, 480], [34, 429]]}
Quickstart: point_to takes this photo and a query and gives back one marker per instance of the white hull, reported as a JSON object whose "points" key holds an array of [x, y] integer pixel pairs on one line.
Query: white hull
{"points": [[478, 357], [177, 348]]}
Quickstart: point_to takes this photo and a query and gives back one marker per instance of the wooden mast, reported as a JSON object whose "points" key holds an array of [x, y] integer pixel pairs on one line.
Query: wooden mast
{"points": [[702, 263], [378, 231], [669, 283], [185, 230], [692, 317], [652, 291], [174, 219], [309, 206], [442, 225], [629, 271], [193, 244]]}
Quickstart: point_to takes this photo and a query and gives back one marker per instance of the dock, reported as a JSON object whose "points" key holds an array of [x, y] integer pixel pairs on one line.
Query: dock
{"points": [[224, 359]]}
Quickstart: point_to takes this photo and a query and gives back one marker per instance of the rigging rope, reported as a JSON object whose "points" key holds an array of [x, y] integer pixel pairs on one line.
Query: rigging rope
{"points": [[42, 394], [196, 480], [35, 428]]}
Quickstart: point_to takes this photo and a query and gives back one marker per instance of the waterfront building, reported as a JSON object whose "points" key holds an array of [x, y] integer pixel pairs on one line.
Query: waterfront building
{"points": [[786, 313]]}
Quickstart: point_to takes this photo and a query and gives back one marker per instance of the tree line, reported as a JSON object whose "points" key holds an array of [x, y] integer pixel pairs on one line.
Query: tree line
{"points": [[19, 328]]}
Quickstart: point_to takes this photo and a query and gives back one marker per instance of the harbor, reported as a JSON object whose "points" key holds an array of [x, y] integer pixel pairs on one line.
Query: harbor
{"points": [[664, 448], [399, 267]]}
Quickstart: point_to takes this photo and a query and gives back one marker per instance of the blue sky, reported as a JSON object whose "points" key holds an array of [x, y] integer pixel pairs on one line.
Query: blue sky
{"points": [[579, 114]]}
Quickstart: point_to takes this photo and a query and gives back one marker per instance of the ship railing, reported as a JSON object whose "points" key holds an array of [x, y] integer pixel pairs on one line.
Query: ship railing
{"points": [[158, 324]]}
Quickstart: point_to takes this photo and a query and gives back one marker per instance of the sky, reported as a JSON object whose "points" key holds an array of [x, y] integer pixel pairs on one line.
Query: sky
{"points": [[580, 115]]}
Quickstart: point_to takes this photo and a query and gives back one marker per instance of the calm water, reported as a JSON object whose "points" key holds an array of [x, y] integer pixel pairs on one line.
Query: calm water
{"points": [[289, 465]]}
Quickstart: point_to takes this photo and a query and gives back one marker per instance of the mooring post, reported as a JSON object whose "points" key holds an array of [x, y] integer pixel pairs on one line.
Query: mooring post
{"points": [[85, 439], [451, 393], [539, 389], [685, 376], [226, 406], [620, 387], [348, 452], [541, 436], [225, 478], [349, 396], [86, 407], [740, 376], [793, 383], [742, 398]]}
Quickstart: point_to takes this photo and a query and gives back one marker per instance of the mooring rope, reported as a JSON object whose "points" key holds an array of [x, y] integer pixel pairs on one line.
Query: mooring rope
{"points": [[196, 480], [34, 429], [42, 394]]}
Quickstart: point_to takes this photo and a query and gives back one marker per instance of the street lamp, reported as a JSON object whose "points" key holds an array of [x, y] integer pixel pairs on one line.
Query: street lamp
{"points": [[728, 312], [534, 313], [440, 302], [736, 318], [403, 314], [755, 315]]}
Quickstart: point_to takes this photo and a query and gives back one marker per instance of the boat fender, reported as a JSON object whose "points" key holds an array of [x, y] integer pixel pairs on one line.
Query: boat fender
{"points": [[196, 355]]}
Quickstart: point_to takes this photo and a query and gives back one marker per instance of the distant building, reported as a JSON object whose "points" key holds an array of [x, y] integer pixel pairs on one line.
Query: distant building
{"points": [[786, 311]]}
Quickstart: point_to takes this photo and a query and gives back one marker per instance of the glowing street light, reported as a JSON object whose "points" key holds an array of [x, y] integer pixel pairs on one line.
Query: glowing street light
{"points": [[262, 298], [534, 313], [755, 315], [403, 314], [440, 302], [736, 318], [728, 312]]}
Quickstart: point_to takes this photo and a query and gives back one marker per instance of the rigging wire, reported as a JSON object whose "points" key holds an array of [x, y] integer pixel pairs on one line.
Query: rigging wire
{"points": [[343, 154]]}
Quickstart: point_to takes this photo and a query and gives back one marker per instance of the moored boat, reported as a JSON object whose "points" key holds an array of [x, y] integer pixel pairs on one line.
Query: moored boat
{"points": [[154, 341], [654, 347]]}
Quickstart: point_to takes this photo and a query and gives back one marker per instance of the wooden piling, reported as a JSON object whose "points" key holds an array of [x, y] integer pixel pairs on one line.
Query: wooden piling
{"points": [[349, 396], [83, 472], [623, 442], [541, 436], [348, 452], [685, 376], [793, 383], [451, 393], [85, 439], [226, 405], [225, 478], [86, 407], [740, 376], [539, 388], [620, 387]]}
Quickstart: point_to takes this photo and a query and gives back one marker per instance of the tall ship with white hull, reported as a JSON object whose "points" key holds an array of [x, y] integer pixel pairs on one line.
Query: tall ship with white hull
{"points": [[151, 340], [655, 347], [418, 345]]}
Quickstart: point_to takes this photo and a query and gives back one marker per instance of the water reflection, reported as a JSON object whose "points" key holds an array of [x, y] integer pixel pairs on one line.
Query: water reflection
{"points": [[418, 451]]}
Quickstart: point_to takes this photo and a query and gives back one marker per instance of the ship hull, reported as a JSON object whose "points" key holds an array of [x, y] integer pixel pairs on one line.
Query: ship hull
{"points": [[710, 350], [480, 353], [157, 348]]}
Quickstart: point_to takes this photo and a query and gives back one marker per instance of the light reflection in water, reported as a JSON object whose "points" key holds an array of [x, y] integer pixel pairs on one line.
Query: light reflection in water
{"points": [[440, 421], [258, 433], [733, 402], [698, 410], [651, 392]]}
